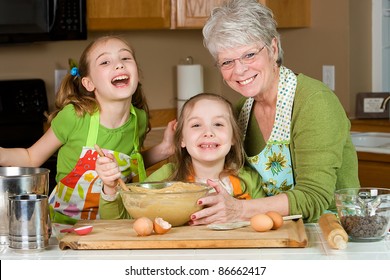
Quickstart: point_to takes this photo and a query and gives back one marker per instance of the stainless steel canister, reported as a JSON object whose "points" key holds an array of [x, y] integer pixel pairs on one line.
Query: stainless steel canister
{"points": [[29, 221], [19, 180]]}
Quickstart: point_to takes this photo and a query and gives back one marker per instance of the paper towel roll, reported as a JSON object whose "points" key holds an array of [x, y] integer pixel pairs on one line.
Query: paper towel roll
{"points": [[189, 82]]}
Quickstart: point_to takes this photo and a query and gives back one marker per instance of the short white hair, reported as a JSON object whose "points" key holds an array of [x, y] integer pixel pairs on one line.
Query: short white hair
{"points": [[238, 23]]}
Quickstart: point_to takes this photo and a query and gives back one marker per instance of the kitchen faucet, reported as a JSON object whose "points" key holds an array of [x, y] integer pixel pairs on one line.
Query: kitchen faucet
{"points": [[383, 105]]}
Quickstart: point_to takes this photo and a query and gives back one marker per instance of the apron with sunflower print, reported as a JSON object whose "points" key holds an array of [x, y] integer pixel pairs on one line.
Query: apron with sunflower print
{"points": [[76, 196], [274, 162]]}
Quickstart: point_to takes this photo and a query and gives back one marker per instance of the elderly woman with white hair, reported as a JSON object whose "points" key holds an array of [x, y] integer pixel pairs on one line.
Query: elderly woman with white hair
{"points": [[295, 131]]}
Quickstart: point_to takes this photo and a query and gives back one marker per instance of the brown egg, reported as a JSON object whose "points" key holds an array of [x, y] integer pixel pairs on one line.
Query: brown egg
{"points": [[161, 226], [261, 222], [276, 218], [143, 226]]}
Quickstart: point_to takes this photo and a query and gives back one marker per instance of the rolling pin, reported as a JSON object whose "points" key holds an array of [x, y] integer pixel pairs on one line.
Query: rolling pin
{"points": [[332, 231]]}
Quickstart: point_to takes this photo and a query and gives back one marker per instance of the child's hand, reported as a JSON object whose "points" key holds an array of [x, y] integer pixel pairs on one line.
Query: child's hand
{"points": [[108, 170], [164, 149], [168, 138]]}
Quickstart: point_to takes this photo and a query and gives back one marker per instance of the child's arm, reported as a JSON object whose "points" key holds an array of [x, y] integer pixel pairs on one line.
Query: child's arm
{"points": [[252, 182], [34, 156], [112, 210], [161, 174], [163, 150]]}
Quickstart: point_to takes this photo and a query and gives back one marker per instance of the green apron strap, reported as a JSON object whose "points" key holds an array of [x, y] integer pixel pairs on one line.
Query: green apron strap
{"points": [[93, 130], [137, 155], [141, 166]]}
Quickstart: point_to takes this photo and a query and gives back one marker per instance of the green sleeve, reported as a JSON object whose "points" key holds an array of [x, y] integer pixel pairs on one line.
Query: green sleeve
{"points": [[161, 174], [251, 182], [319, 137], [112, 210]]}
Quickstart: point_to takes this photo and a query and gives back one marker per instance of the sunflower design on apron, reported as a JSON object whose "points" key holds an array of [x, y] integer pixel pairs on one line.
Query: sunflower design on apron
{"points": [[274, 162]]}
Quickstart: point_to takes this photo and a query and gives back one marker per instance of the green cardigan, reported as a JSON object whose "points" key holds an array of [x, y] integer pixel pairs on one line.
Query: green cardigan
{"points": [[322, 153], [250, 182]]}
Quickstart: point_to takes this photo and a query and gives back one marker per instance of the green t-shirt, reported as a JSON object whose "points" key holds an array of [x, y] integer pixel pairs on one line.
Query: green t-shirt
{"points": [[72, 131], [323, 156]]}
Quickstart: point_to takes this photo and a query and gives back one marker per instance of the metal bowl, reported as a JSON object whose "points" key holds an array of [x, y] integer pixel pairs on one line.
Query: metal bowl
{"points": [[172, 201]]}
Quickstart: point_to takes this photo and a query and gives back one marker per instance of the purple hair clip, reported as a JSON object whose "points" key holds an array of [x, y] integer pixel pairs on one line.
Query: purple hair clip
{"points": [[75, 72]]}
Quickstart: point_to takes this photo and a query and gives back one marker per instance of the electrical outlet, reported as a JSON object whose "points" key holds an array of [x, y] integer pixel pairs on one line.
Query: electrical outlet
{"points": [[59, 74], [328, 73]]}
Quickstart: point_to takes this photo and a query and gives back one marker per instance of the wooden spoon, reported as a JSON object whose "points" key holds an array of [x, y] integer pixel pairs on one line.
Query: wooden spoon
{"points": [[120, 181]]}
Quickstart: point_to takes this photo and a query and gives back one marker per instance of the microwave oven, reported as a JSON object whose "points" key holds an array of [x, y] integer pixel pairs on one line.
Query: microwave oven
{"points": [[23, 21]]}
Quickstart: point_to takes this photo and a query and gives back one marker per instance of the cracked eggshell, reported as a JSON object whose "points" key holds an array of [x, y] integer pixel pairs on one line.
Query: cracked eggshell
{"points": [[160, 226]]}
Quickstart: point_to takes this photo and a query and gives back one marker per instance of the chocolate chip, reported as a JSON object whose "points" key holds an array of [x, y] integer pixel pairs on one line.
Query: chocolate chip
{"points": [[364, 226]]}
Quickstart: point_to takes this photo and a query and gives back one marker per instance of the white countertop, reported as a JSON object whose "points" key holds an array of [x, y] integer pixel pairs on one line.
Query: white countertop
{"points": [[357, 261], [317, 249]]}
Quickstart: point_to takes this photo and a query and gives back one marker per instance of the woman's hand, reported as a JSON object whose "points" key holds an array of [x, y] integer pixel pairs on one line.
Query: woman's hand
{"points": [[220, 207], [108, 170]]}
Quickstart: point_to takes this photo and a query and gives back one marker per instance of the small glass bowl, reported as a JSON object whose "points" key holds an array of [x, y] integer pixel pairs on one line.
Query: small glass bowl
{"points": [[364, 213]]}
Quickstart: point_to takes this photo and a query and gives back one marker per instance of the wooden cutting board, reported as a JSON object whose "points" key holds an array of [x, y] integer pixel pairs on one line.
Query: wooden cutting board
{"points": [[119, 234]]}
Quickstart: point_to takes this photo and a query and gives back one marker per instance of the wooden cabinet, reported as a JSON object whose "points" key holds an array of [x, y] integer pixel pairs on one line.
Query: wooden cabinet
{"points": [[192, 14], [371, 125], [128, 14], [374, 169], [180, 14], [291, 13]]}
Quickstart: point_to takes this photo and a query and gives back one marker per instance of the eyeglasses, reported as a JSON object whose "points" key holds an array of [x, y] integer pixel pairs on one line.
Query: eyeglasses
{"points": [[246, 58]]}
